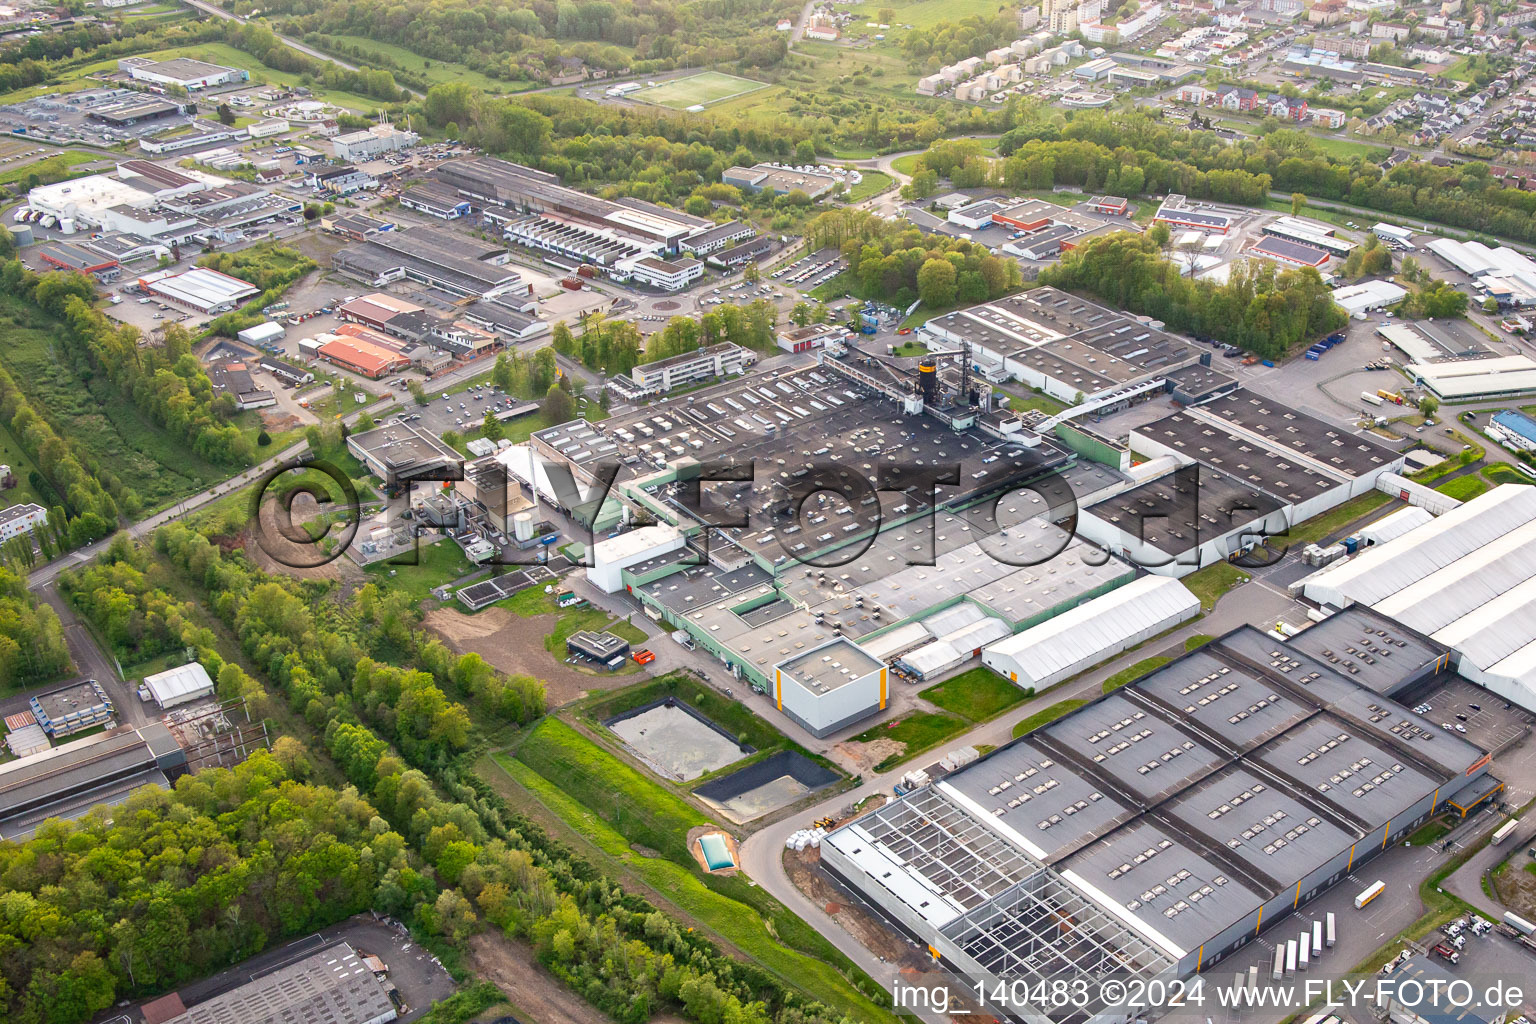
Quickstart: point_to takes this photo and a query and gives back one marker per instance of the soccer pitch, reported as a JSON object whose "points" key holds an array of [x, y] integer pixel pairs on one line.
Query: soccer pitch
{"points": [[701, 89]]}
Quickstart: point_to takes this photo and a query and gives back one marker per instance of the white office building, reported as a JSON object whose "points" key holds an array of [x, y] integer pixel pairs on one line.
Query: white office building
{"points": [[611, 556], [20, 519], [372, 143]]}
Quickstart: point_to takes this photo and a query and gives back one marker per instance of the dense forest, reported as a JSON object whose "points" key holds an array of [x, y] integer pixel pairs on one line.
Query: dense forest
{"points": [[166, 381], [1266, 311], [327, 660], [527, 39], [32, 648], [897, 263], [617, 346]]}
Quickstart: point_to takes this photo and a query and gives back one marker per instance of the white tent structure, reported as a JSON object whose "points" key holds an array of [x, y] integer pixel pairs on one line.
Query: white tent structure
{"points": [[1466, 579], [179, 685], [1394, 524], [1094, 631], [954, 635]]}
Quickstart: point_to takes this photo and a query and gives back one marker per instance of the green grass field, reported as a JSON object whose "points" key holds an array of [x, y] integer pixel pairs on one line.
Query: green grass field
{"points": [[1135, 672], [978, 694], [919, 731], [920, 14], [1346, 148], [1463, 488], [757, 925], [873, 183], [1210, 583], [51, 169], [702, 89], [434, 71], [1046, 716], [213, 53]]}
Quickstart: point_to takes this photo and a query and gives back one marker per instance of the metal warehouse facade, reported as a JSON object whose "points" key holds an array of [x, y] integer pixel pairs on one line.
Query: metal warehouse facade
{"points": [[1161, 827]]}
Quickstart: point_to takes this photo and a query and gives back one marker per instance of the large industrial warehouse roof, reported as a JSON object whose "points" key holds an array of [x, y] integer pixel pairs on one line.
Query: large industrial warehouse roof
{"points": [[1467, 580], [1470, 378], [1174, 808], [1078, 636], [202, 288], [334, 986]]}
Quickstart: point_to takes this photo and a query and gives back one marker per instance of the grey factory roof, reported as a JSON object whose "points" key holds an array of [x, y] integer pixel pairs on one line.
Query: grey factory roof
{"points": [[1382, 650], [1196, 381], [1200, 218], [815, 418], [1190, 797], [434, 253], [1069, 338], [184, 68], [121, 245], [334, 986], [1338, 449], [1287, 249], [73, 777], [1182, 510], [59, 704], [1272, 468], [829, 666]]}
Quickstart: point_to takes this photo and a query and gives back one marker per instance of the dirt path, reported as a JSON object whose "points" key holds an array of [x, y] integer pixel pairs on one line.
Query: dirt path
{"points": [[538, 995], [515, 644]]}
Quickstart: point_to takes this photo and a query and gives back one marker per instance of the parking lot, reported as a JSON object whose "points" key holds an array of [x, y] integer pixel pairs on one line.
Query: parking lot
{"points": [[1484, 718], [807, 272]]}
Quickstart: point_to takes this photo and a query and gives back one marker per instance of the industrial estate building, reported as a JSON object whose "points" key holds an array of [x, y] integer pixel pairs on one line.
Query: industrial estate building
{"points": [[333, 986], [1248, 467], [453, 263], [181, 71], [1170, 822], [661, 376], [16, 520], [180, 685], [781, 180], [1070, 348], [533, 207], [1466, 579], [371, 143], [73, 709], [70, 779], [200, 288], [158, 206]]}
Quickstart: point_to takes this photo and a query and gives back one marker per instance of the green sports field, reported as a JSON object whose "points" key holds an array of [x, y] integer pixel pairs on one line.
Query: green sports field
{"points": [[704, 88]]}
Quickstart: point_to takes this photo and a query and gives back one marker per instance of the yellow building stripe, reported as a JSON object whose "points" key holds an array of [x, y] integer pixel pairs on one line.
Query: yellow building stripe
{"points": [[778, 686], [882, 689], [1260, 922], [1351, 857], [1200, 958], [1385, 833], [1297, 901], [1434, 801]]}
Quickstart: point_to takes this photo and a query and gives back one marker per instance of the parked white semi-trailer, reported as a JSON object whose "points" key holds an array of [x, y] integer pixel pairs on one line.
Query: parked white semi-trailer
{"points": [[1371, 398], [1369, 894]]}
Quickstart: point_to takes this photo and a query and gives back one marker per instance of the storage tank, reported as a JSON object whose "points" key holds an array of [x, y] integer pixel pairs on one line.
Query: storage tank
{"points": [[522, 526], [67, 225]]}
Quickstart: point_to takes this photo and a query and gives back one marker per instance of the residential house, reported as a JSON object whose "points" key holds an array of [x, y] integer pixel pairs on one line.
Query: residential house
{"points": [[1232, 97]]}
